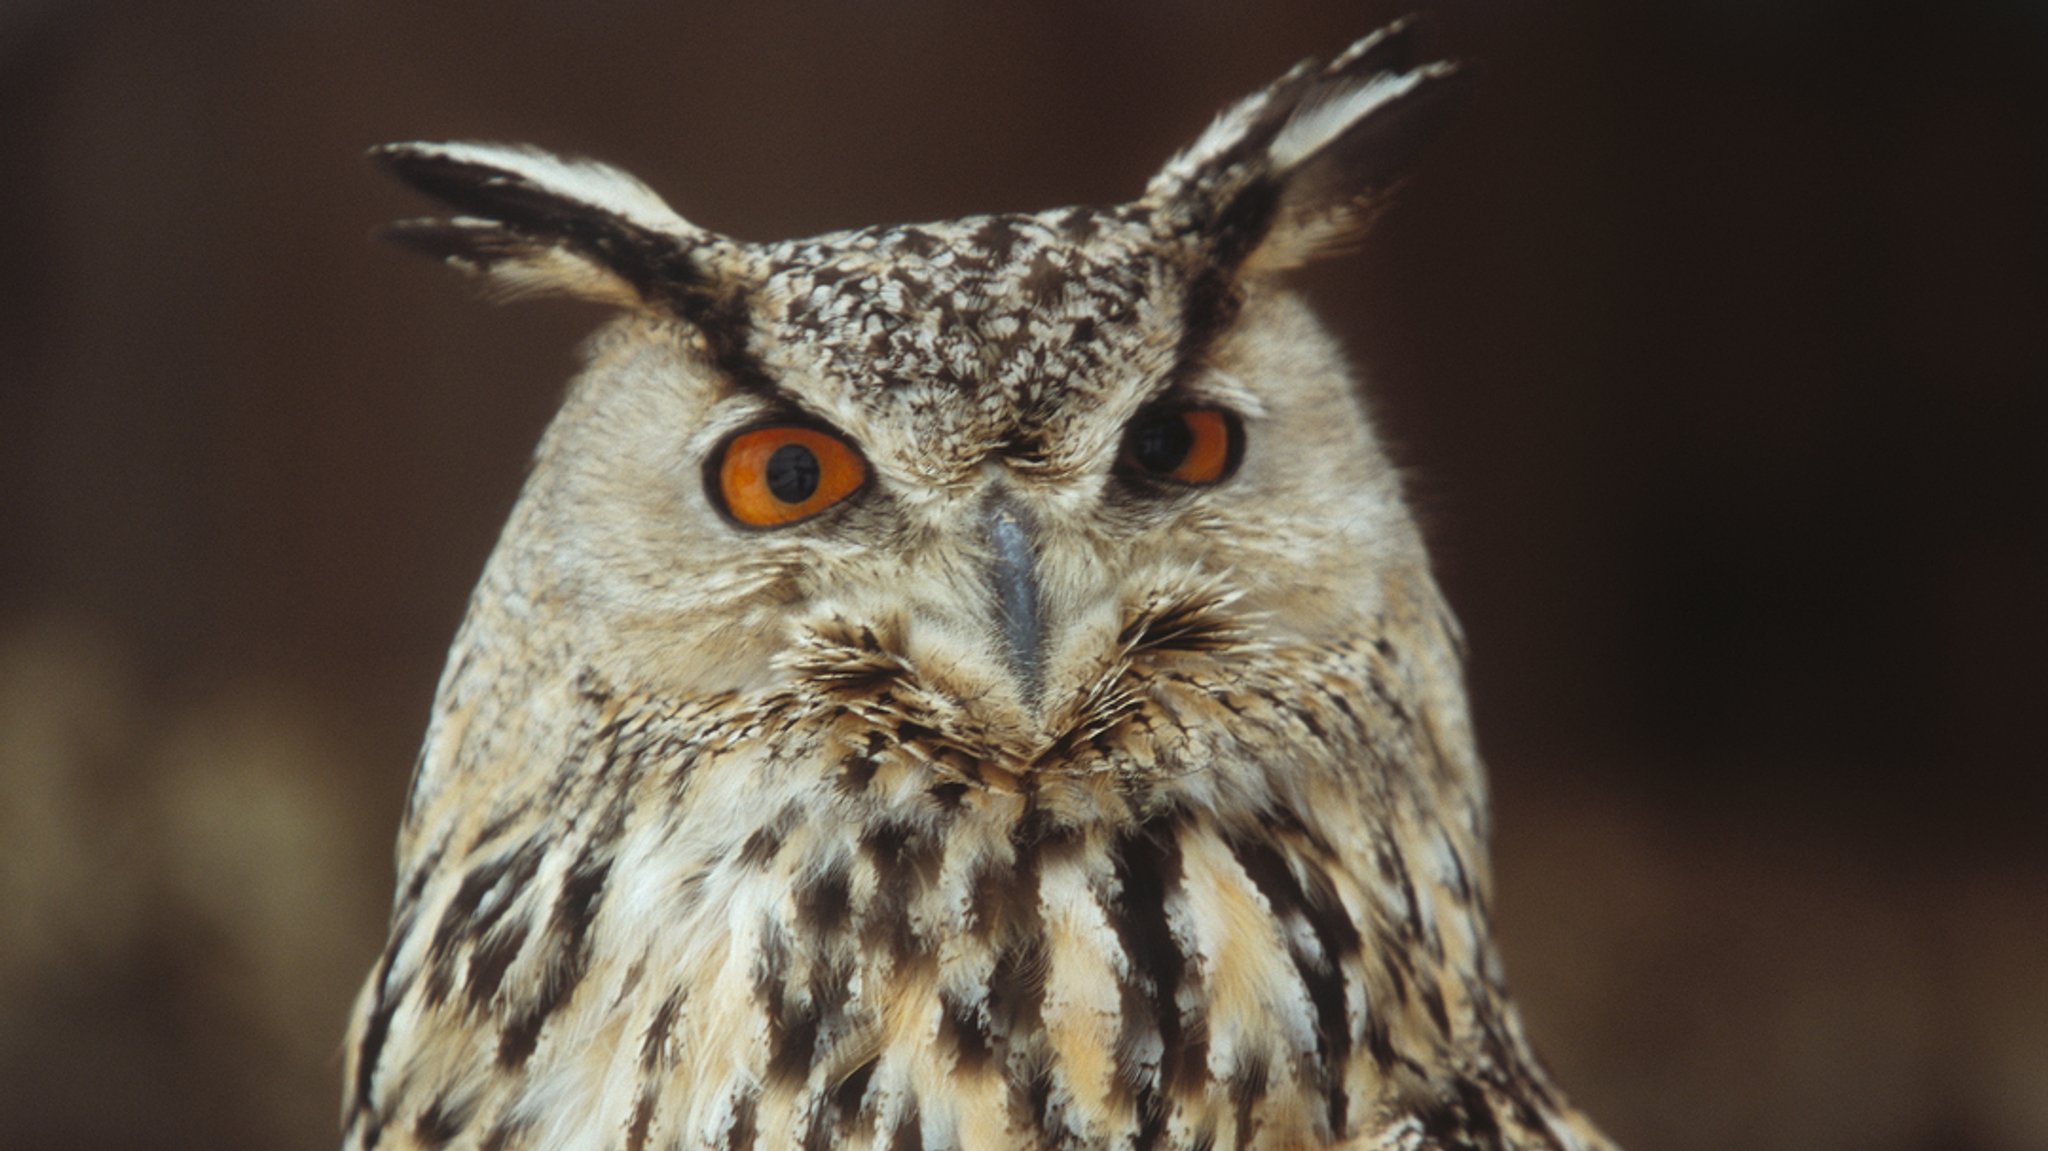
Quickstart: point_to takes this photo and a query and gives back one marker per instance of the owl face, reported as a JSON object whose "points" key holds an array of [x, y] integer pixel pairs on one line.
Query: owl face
{"points": [[1024, 482], [998, 451]]}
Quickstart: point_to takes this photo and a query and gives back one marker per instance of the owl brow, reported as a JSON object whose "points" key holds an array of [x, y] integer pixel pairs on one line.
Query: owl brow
{"points": [[768, 403], [726, 322], [1199, 387], [665, 274], [1211, 306]]}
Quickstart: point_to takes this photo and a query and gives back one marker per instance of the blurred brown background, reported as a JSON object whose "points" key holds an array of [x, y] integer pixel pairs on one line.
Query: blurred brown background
{"points": [[1713, 332]]}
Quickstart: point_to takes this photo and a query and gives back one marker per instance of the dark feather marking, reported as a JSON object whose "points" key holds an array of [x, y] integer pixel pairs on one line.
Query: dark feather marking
{"points": [[852, 1091], [375, 1032], [1016, 989], [1041, 837], [961, 1027], [906, 863], [441, 1121], [581, 893], [1466, 1121], [1433, 1002], [801, 1026], [1213, 296], [992, 242], [568, 933], [643, 1117], [1003, 910], [655, 1040], [488, 962], [378, 1027], [824, 904], [1212, 303], [909, 1133], [1196, 624], [1148, 869], [1002, 902], [1394, 869], [830, 989], [1233, 233], [1045, 282], [771, 972], [739, 1135], [884, 845], [855, 773], [1522, 1091], [911, 731], [460, 921], [506, 818], [1328, 916], [1461, 879], [792, 1042], [1322, 979], [1377, 1041], [1394, 963], [1505, 1054], [1353, 727], [761, 847], [818, 1131], [1247, 1088], [1038, 1096], [1307, 716], [416, 883], [1151, 1122]]}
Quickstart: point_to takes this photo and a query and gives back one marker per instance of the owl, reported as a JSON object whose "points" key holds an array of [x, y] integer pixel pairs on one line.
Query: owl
{"points": [[969, 686]]}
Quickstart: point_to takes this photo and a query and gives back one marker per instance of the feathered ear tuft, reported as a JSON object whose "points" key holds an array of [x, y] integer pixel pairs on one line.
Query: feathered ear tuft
{"points": [[1300, 169], [534, 223]]}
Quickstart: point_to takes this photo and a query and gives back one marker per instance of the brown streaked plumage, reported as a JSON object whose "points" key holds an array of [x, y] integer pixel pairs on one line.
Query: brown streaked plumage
{"points": [[1095, 775]]}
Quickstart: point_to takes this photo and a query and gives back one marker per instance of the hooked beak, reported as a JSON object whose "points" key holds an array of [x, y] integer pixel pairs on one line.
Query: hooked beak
{"points": [[1013, 586]]}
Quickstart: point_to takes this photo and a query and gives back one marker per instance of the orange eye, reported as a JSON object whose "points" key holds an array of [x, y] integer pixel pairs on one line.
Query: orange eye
{"points": [[778, 475], [1186, 445]]}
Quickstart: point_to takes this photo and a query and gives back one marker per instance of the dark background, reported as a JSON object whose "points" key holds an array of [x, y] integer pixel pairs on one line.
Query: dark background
{"points": [[1712, 332]]}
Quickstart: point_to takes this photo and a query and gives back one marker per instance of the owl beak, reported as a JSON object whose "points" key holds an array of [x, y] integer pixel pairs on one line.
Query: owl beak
{"points": [[1013, 587]]}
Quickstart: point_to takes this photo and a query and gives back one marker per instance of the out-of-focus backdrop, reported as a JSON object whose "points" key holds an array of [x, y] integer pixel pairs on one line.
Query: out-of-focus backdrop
{"points": [[1715, 333]]}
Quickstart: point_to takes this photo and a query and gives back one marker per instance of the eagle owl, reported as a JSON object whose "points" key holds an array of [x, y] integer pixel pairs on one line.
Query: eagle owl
{"points": [[955, 687]]}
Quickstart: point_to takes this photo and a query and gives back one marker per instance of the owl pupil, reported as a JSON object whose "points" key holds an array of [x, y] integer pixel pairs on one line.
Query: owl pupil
{"points": [[1160, 444], [793, 473]]}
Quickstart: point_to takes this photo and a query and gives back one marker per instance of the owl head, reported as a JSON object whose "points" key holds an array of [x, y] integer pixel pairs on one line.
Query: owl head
{"points": [[999, 460]]}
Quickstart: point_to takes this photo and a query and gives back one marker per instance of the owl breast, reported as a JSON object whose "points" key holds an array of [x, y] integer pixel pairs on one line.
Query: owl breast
{"points": [[865, 937]]}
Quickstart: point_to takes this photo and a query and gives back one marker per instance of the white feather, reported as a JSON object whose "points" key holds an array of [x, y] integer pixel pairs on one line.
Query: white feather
{"points": [[584, 181], [1329, 114]]}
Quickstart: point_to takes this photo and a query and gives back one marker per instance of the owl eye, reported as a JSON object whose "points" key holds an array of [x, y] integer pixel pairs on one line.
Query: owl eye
{"points": [[1185, 445], [773, 476]]}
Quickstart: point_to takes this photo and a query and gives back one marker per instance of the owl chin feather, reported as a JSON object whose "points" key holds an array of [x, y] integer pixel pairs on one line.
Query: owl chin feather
{"points": [[961, 686]]}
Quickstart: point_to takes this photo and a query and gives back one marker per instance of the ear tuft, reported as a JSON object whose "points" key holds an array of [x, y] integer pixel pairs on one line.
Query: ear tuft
{"points": [[535, 223], [511, 263], [1300, 168]]}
